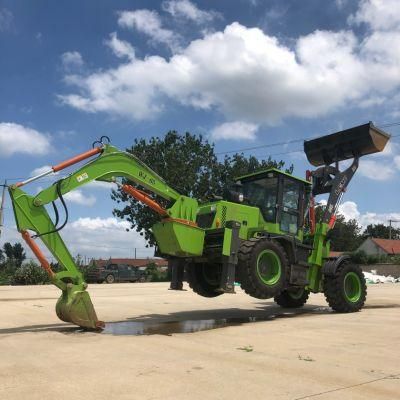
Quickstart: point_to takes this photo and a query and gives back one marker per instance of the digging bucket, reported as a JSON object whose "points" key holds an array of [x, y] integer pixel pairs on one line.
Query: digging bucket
{"points": [[343, 145], [75, 306]]}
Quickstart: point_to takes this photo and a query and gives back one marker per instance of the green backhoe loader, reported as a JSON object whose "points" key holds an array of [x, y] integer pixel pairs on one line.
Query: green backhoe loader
{"points": [[257, 235]]}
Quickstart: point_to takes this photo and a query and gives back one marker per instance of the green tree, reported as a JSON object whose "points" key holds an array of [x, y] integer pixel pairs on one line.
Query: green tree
{"points": [[190, 165], [30, 274], [381, 231], [15, 254], [345, 236]]}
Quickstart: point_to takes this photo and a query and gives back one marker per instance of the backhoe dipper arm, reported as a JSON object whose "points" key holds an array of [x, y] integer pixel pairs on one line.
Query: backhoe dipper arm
{"points": [[30, 213]]}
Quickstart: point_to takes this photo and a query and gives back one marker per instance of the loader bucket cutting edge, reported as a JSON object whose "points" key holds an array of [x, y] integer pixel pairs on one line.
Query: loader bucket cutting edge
{"points": [[75, 306], [354, 142]]}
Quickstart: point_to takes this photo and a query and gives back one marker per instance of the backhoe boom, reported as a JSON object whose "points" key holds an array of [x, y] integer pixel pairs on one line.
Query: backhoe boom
{"points": [[30, 213]]}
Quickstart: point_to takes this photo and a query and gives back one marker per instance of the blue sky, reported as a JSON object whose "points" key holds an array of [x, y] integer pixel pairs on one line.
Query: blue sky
{"points": [[243, 73]]}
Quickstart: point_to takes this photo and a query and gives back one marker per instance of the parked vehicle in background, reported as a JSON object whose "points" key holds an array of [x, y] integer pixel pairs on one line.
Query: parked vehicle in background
{"points": [[116, 273]]}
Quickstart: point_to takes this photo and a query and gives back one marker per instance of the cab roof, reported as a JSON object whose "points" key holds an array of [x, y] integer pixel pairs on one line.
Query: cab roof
{"points": [[276, 170]]}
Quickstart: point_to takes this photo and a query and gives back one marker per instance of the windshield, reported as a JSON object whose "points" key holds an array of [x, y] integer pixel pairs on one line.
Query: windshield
{"points": [[262, 193]]}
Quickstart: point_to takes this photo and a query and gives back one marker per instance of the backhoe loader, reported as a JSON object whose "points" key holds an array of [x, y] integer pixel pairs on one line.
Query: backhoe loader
{"points": [[257, 235]]}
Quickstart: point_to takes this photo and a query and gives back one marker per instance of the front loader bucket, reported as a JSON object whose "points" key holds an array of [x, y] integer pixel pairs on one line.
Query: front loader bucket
{"points": [[76, 307], [354, 142]]}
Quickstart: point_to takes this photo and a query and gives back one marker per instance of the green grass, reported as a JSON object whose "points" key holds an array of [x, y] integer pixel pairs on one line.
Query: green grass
{"points": [[247, 349]]}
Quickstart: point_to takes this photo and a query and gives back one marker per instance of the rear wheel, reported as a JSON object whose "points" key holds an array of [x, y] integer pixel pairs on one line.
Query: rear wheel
{"points": [[292, 298], [204, 279], [110, 278], [346, 290], [262, 267]]}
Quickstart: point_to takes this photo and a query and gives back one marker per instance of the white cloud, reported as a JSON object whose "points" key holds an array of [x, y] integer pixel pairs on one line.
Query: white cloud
{"points": [[6, 19], [189, 10], [93, 237], [104, 237], [120, 48], [71, 60], [245, 74], [15, 138], [100, 185], [349, 210], [397, 161], [378, 14], [237, 130], [378, 171], [41, 170], [149, 23], [78, 197]]}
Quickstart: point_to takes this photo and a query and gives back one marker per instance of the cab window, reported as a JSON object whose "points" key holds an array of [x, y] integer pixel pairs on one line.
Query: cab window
{"points": [[290, 206], [262, 193]]}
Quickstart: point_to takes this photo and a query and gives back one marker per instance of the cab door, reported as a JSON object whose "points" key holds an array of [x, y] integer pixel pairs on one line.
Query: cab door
{"points": [[123, 273], [291, 191]]}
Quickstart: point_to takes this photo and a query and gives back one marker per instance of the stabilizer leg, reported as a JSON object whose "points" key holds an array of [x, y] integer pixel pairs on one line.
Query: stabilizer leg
{"points": [[230, 256], [177, 271]]}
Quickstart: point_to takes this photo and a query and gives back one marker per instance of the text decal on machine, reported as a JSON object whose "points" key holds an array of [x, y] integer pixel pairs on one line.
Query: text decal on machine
{"points": [[143, 175]]}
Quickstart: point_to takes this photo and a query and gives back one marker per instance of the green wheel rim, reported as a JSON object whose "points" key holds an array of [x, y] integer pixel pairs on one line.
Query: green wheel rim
{"points": [[269, 267], [352, 287]]}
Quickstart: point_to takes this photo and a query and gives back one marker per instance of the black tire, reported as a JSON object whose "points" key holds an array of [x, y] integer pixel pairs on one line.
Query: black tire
{"points": [[346, 290], [204, 279], [292, 298], [110, 278], [253, 272]]}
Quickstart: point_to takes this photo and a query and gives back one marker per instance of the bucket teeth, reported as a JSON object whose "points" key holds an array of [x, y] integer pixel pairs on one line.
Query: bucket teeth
{"points": [[75, 306]]}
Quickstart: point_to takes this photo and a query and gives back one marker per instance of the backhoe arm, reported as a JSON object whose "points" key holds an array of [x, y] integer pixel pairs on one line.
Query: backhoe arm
{"points": [[30, 213]]}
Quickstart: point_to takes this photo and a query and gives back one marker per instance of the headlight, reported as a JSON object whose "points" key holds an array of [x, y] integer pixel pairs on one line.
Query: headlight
{"points": [[241, 197]]}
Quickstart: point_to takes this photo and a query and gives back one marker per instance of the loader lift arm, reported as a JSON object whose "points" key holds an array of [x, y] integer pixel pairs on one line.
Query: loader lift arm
{"points": [[30, 213], [350, 144]]}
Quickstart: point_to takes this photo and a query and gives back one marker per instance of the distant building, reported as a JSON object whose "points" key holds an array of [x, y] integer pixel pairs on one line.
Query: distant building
{"points": [[382, 247], [132, 262]]}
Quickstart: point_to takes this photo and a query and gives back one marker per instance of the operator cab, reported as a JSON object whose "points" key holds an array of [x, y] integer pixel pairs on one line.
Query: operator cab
{"points": [[281, 197]]}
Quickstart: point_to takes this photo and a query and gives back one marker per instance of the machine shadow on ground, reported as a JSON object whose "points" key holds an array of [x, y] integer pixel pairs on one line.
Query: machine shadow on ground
{"points": [[181, 321], [189, 321]]}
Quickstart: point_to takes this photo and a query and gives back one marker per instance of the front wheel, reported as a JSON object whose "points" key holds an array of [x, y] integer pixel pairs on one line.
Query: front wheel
{"points": [[204, 279], [262, 266], [294, 298], [346, 290], [110, 278]]}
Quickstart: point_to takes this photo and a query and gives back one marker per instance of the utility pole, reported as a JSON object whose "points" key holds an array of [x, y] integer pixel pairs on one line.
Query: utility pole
{"points": [[3, 197], [135, 253], [390, 227]]}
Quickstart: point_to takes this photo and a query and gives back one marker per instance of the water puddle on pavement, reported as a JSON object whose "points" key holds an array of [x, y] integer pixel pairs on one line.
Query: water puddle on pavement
{"points": [[189, 326]]}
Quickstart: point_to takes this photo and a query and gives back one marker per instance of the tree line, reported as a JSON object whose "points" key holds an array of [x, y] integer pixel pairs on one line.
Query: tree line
{"points": [[347, 236]]}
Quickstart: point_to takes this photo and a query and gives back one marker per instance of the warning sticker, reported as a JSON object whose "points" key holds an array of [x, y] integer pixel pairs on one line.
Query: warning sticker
{"points": [[82, 177]]}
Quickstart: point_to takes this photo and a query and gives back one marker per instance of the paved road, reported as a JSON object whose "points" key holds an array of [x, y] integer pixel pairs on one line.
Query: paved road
{"points": [[308, 354]]}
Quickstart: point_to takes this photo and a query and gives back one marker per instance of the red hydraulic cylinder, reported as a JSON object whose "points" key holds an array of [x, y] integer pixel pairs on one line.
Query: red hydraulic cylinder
{"points": [[145, 198], [38, 253]]}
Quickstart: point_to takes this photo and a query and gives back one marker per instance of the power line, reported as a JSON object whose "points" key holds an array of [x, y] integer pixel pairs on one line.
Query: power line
{"points": [[263, 146], [291, 142]]}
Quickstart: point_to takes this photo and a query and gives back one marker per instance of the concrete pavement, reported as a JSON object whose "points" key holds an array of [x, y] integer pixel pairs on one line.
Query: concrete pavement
{"points": [[306, 354]]}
